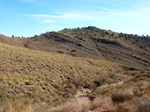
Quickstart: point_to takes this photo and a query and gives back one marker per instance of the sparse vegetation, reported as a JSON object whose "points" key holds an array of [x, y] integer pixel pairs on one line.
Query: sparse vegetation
{"points": [[46, 72], [77, 81], [44, 77], [121, 97], [144, 105]]}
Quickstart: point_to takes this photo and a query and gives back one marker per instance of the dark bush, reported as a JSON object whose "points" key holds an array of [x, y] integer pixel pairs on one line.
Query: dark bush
{"points": [[121, 97], [100, 80], [77, 81]]}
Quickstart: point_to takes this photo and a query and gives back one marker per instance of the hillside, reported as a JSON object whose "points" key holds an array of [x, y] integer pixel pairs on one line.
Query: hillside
{"points": [[130, 50], [12, 41], [83, 64], [46, 77]]}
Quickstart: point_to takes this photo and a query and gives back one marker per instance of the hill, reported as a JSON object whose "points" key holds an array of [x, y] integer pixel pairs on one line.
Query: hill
{"points": [[90, 42], [46, 77], [83, 63]]}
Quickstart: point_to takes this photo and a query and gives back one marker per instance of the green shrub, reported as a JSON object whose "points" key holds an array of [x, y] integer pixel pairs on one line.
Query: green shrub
{"points": [[100, 80]]}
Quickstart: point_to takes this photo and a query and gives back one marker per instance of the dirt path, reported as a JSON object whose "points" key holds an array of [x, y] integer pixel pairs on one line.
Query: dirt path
{"points": [[90, 63], [117, 83], [83, 97]]}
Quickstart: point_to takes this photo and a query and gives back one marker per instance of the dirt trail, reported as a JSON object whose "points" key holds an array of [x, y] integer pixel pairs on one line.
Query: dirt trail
{"points": [[90, 63], [83, 97], [117, 83]]}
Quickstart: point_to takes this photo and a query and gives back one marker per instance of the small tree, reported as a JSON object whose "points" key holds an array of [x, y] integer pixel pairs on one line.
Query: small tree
{"points": [[77, 81], [112, 34], [120, 34], [35, 35], [13, 36], [100, 80]]}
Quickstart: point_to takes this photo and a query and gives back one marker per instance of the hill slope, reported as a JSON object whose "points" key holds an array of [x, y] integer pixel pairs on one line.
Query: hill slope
{"points": [[46, 77], [130, 50], [51, 68], [91, 42]]}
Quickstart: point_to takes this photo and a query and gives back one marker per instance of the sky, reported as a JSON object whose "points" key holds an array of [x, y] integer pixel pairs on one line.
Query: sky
{"points": [[29, 17]]}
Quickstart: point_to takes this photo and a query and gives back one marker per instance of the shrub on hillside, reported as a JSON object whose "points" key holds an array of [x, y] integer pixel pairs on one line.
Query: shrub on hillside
{"points": [[144, 105], [77, 81], [126, 107], [121, 97], [98, 102], [100, 80], [93, 87], [112, 75]]}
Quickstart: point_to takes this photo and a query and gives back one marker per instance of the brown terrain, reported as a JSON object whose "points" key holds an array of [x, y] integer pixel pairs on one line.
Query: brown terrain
{"points": [[75, 70], [130, 50]]}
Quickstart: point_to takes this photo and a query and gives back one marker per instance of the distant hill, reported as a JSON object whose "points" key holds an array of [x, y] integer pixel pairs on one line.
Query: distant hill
{"points": [[91, 42]]}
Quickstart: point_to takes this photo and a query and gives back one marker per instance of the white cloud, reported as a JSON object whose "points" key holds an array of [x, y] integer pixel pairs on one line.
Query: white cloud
{"points": [[106, 9], [63, 16], [139, 13], [143, 1], [133, 20], [67, 17], [43, 15], [48, 21]]}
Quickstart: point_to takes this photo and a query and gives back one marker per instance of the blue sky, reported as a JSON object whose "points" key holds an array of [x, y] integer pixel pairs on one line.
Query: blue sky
{"points": [[30, 17]]}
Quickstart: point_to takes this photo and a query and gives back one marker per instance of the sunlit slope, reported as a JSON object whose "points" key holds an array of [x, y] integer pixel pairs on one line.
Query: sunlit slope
{"points": [[12, 41], [90, 42], [45, 77]]}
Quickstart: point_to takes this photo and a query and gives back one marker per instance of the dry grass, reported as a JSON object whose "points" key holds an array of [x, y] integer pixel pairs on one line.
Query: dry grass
{"points": [[50, 79], [121, 97], [71, 106], [126, 107], [98, 102], [102, 104], [45, 77], [21, 106], [144, 105]]}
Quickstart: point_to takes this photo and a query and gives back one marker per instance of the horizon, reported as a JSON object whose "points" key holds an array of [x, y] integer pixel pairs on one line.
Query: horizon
{"points": [[73, 28], [32, 17]]}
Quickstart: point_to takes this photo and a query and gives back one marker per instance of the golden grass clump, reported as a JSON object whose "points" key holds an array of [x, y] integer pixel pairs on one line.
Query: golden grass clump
{"points": [[71, 106], [23, 105], [100, 103]]}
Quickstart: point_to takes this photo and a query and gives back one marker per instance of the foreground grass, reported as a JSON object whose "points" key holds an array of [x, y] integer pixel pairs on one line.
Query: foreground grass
{"points": [[32, 81], [24, 105], [124, 98], [46, 77], [126, 101]]}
